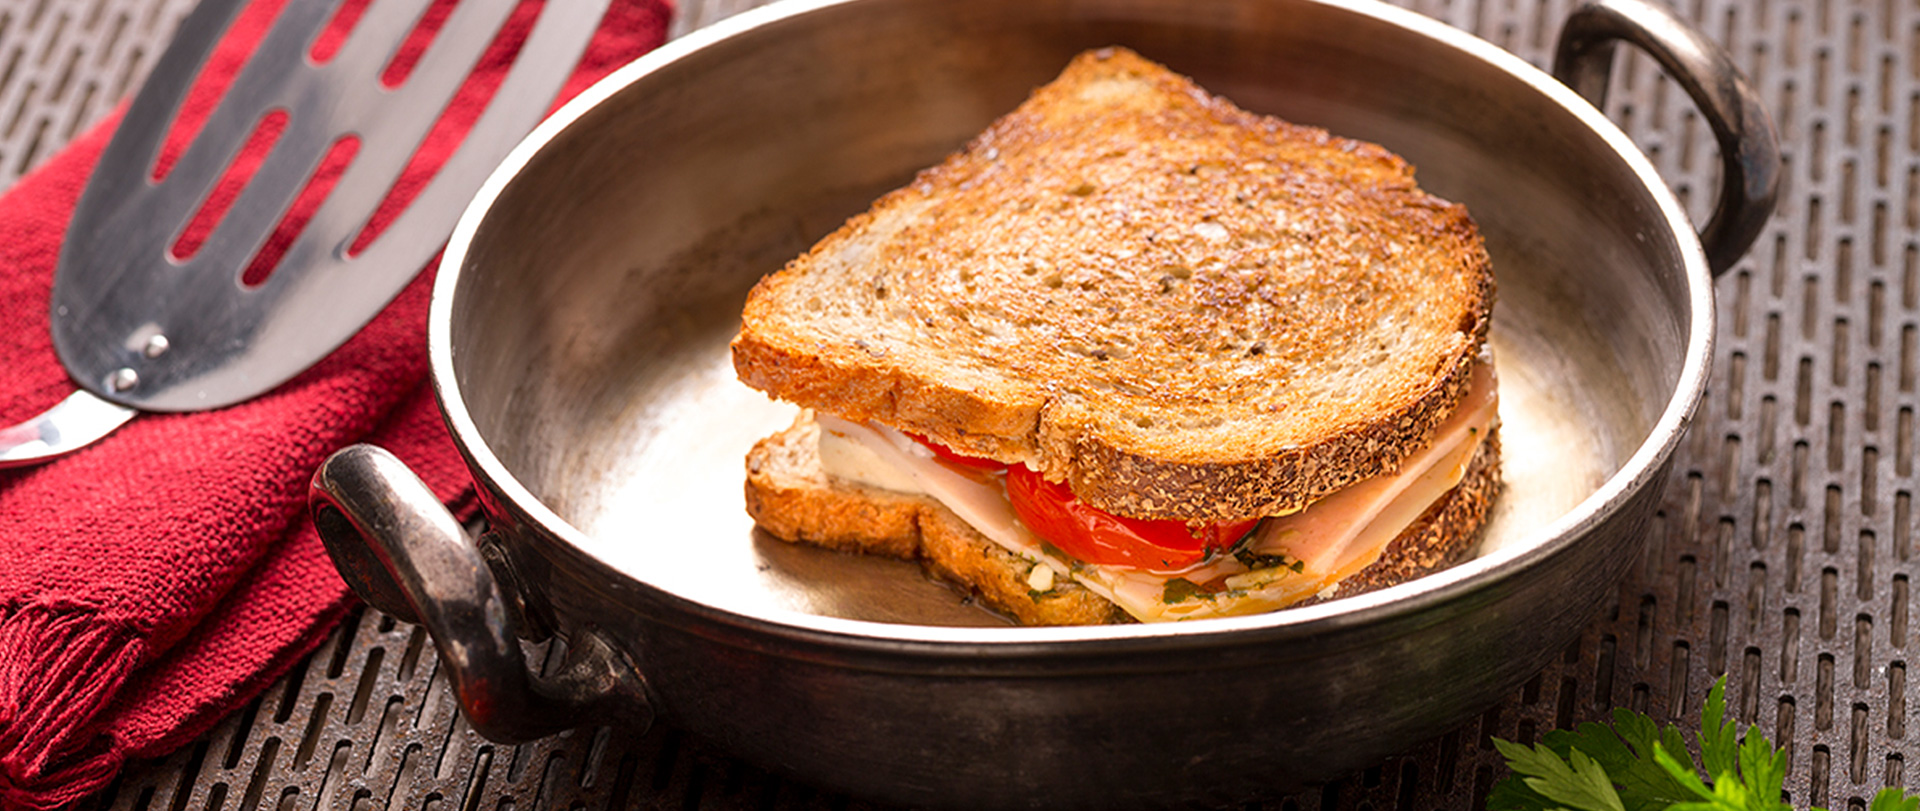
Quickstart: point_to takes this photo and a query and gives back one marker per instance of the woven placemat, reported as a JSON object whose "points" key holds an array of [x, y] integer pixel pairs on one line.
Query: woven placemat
{"points": [[65, 64], [1781, 555]]}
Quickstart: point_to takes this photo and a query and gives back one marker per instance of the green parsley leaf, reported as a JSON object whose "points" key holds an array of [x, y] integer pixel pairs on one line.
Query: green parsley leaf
{"points": [[1638, 765], [1577, 783], [1586, 786], [1719, 747], [1893, 799], [1711, 799], [1626, 753], [1650, 766], [1763, 769], [1512, 794]]}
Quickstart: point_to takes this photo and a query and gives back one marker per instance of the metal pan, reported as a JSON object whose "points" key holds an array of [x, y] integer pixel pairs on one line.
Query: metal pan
{"points": [[579, 335]]}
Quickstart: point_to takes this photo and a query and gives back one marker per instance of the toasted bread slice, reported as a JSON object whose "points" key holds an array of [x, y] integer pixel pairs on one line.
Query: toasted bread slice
{"points": [[793, 499], [1182, 309]]}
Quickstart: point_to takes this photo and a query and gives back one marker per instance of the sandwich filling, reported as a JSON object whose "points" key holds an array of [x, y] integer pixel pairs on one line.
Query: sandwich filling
{"points": [[1280, 561]]}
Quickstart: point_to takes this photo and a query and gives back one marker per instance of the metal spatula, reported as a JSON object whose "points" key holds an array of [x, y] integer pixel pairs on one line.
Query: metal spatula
{"points": [[139, 329]]}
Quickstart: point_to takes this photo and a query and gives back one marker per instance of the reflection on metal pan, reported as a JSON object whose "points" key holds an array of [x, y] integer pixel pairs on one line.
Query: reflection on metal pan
{"points": [[579, 339]]}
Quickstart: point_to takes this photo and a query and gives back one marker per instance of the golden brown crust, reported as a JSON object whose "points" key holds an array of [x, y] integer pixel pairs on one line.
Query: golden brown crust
{"points": [[789, 496], [793, 500], [1183, 309]]}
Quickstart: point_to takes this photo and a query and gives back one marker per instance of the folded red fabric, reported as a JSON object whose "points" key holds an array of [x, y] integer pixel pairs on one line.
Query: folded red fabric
{"points": [[160, 578]]}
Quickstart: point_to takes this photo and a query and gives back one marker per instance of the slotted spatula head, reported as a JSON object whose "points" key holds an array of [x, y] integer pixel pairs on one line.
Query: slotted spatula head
{"points": [[137, 325]]}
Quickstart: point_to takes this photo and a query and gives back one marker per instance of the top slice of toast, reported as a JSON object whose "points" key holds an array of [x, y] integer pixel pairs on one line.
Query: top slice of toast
{"points": [[1183, 309]]}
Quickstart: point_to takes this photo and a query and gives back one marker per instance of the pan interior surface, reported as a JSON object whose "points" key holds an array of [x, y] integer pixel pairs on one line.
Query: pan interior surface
{"points": [[591, 318]]}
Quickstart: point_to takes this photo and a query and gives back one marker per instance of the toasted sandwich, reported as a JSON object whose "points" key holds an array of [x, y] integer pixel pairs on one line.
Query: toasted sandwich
{"points": [[1136, 354]]}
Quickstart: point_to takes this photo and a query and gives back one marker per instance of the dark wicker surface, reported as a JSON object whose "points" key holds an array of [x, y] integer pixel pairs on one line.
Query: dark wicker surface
{"points": [[1782, 555], [64, 64]]}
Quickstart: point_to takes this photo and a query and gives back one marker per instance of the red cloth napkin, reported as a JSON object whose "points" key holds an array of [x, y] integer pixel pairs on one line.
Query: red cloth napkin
{"points": [[161, 578]]}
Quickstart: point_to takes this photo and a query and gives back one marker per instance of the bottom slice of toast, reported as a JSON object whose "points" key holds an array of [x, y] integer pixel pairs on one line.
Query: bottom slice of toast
{"points": [[792, 498]]}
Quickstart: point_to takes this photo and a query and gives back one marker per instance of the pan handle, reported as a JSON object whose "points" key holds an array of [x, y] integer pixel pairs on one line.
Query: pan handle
{"points": [[402, 552], [1749, 148]]}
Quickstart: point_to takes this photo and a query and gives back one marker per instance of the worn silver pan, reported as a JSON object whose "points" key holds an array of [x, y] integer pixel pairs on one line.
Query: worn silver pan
{"points": [[579, 333]]}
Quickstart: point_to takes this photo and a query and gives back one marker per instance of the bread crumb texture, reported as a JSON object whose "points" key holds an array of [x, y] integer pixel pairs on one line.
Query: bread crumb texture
{"points": [[1183, 309]]}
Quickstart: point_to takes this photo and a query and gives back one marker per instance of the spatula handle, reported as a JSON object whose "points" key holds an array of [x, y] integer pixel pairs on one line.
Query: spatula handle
{"points": [[70, 425]]}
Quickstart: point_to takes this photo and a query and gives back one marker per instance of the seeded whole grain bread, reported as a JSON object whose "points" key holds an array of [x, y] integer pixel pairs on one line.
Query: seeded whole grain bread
{"points": [[1183, 309], [793, 499]]}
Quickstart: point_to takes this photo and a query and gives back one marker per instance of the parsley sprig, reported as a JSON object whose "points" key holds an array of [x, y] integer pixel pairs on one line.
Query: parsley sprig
{"points": [[1637, 765]]}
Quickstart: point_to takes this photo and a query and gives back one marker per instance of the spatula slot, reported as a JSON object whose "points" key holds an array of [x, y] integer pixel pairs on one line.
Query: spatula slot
{"points": [[254, 152], [455, 122], [210, 81], [345, 18], [255, 251], [325, 176], [416, 44]]}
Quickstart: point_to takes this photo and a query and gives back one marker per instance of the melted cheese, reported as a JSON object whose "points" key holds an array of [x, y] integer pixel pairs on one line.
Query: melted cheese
{"points": [[1308, 552], [983, 505], [1347, 530]]}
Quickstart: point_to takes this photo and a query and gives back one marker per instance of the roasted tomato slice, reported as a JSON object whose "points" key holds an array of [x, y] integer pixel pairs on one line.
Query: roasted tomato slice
{"points": [[949, 455], [1096, 536]]}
